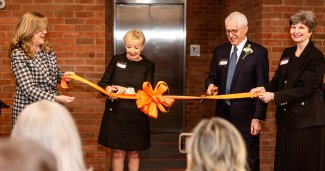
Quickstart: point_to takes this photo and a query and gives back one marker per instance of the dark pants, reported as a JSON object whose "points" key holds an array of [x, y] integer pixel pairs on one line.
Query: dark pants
{"points": [[252, 143]]}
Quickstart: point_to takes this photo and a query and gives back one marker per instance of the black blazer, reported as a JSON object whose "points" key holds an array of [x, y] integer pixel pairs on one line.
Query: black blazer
{"points": [[299, 93], [251, 71]]}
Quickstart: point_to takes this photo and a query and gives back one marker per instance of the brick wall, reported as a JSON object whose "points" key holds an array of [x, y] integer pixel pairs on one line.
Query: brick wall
{"points": [[204, 25], [81, 32]]}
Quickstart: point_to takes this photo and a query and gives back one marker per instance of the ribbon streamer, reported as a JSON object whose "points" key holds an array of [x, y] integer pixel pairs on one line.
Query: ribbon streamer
{"points": [[149, 100]]}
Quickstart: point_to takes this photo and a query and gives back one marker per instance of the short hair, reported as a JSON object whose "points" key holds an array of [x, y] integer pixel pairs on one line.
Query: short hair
{"points": [[51, 125], [25, 155], [216, 145], [305, 17], [237, 17], [28, 25], [134, 34]]}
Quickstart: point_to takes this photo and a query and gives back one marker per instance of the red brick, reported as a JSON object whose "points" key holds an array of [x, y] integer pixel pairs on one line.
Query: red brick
{"points": [[54, 7], [85, 41], [63, 27], [74, 21], [73, 7], [43, 1], [293, 2], [85, 14], [63, 14]]}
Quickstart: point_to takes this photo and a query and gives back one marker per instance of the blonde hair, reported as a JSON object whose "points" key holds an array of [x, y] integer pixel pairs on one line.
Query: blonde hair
{"points": [[29, 24], [51, 125], [136, 35], [216, 145], [25, 155]]}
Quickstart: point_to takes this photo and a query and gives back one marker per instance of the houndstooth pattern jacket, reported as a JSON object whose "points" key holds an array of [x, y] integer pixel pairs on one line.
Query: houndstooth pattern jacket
{"points": [[36, 79]]}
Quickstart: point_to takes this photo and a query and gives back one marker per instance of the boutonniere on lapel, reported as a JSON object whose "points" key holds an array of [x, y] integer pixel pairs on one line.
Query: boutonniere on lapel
{"points": [[248, 50]]}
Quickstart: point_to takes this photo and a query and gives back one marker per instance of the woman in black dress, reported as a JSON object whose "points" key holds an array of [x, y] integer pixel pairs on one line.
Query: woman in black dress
{"points": [[124, 128], [297, 89]]}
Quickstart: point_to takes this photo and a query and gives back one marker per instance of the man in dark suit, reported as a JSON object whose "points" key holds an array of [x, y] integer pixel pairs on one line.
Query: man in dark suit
{"points": [[237, 67]]}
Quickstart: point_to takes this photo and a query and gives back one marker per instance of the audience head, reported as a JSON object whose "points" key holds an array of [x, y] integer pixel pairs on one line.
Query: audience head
{"points": [[51, 125], [236, 27], [304, 17], [216, 145], [25, 155]]}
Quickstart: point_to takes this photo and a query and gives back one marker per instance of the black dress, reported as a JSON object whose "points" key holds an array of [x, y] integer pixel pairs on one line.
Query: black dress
{"points": [[123, 125]]}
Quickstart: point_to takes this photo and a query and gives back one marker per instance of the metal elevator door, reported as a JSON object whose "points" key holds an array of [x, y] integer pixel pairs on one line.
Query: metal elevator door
{"points": [[163, 25]]}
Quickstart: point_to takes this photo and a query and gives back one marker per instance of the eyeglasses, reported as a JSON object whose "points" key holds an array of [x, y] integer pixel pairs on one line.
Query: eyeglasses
{"points": [[233, 31]]}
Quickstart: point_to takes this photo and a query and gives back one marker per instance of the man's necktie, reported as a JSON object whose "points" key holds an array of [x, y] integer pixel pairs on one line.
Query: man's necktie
{"points": [[231, 70]]}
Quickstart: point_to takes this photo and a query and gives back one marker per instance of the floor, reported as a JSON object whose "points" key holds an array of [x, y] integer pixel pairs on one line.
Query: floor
{"points": [[163, 155]]}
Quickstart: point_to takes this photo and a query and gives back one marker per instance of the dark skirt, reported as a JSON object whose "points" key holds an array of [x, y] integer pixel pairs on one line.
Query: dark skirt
{"points": [[124, 126], [300, 149]]}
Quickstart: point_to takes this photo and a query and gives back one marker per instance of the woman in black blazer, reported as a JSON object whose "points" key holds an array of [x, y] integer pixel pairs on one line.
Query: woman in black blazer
{"points": [[297, 89]]}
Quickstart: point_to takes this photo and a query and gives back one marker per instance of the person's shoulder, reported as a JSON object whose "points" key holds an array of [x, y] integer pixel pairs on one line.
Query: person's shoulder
{"points": [[222, 46], [317, 51], [118, 57], [289, 49], [255, 45], [18, 53], [148, 62]]}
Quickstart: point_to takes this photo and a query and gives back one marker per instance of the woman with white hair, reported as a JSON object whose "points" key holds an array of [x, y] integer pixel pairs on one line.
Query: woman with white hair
{"points": [[51, 125]]}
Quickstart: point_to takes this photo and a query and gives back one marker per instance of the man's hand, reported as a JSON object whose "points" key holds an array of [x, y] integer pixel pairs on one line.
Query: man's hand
{"points": [[212, 90], [256, 126]]}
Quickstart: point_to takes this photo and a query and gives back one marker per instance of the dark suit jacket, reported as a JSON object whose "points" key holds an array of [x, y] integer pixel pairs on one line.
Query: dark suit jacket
{"points": [[251, 71], [299, 94]]}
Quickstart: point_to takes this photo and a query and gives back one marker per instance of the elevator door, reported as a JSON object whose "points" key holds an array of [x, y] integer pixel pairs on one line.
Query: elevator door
{"points": [[163, 27]]}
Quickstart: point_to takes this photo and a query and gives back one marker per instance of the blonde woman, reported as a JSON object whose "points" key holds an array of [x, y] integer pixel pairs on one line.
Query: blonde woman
{"points": [[216, 145], [34, 64], [124, 128], [51, 125]]}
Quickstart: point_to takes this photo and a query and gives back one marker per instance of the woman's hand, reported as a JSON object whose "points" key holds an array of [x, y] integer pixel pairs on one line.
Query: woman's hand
{"points": [[266, 97], [258, 90], [110, 89], [120, 89], [66, 74], [63, 99]]}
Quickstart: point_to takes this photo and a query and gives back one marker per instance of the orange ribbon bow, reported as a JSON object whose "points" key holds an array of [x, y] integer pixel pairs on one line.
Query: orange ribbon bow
{"points": [[148, 100]]}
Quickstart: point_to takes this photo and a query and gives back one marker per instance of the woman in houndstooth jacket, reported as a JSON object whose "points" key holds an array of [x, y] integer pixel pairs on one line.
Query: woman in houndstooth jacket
{"points": [[34, 64]]}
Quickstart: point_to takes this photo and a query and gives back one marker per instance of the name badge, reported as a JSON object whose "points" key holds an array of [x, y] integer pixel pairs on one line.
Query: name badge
{"points": [[121, 64], [284, 61], [223, 62]]}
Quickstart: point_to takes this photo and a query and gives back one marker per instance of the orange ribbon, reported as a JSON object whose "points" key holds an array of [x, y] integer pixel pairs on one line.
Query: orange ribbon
{"points": [[148, 100]]}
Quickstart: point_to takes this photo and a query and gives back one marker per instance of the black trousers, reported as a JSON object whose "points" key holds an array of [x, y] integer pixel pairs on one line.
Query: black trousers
{"points": [[252, 144]]}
